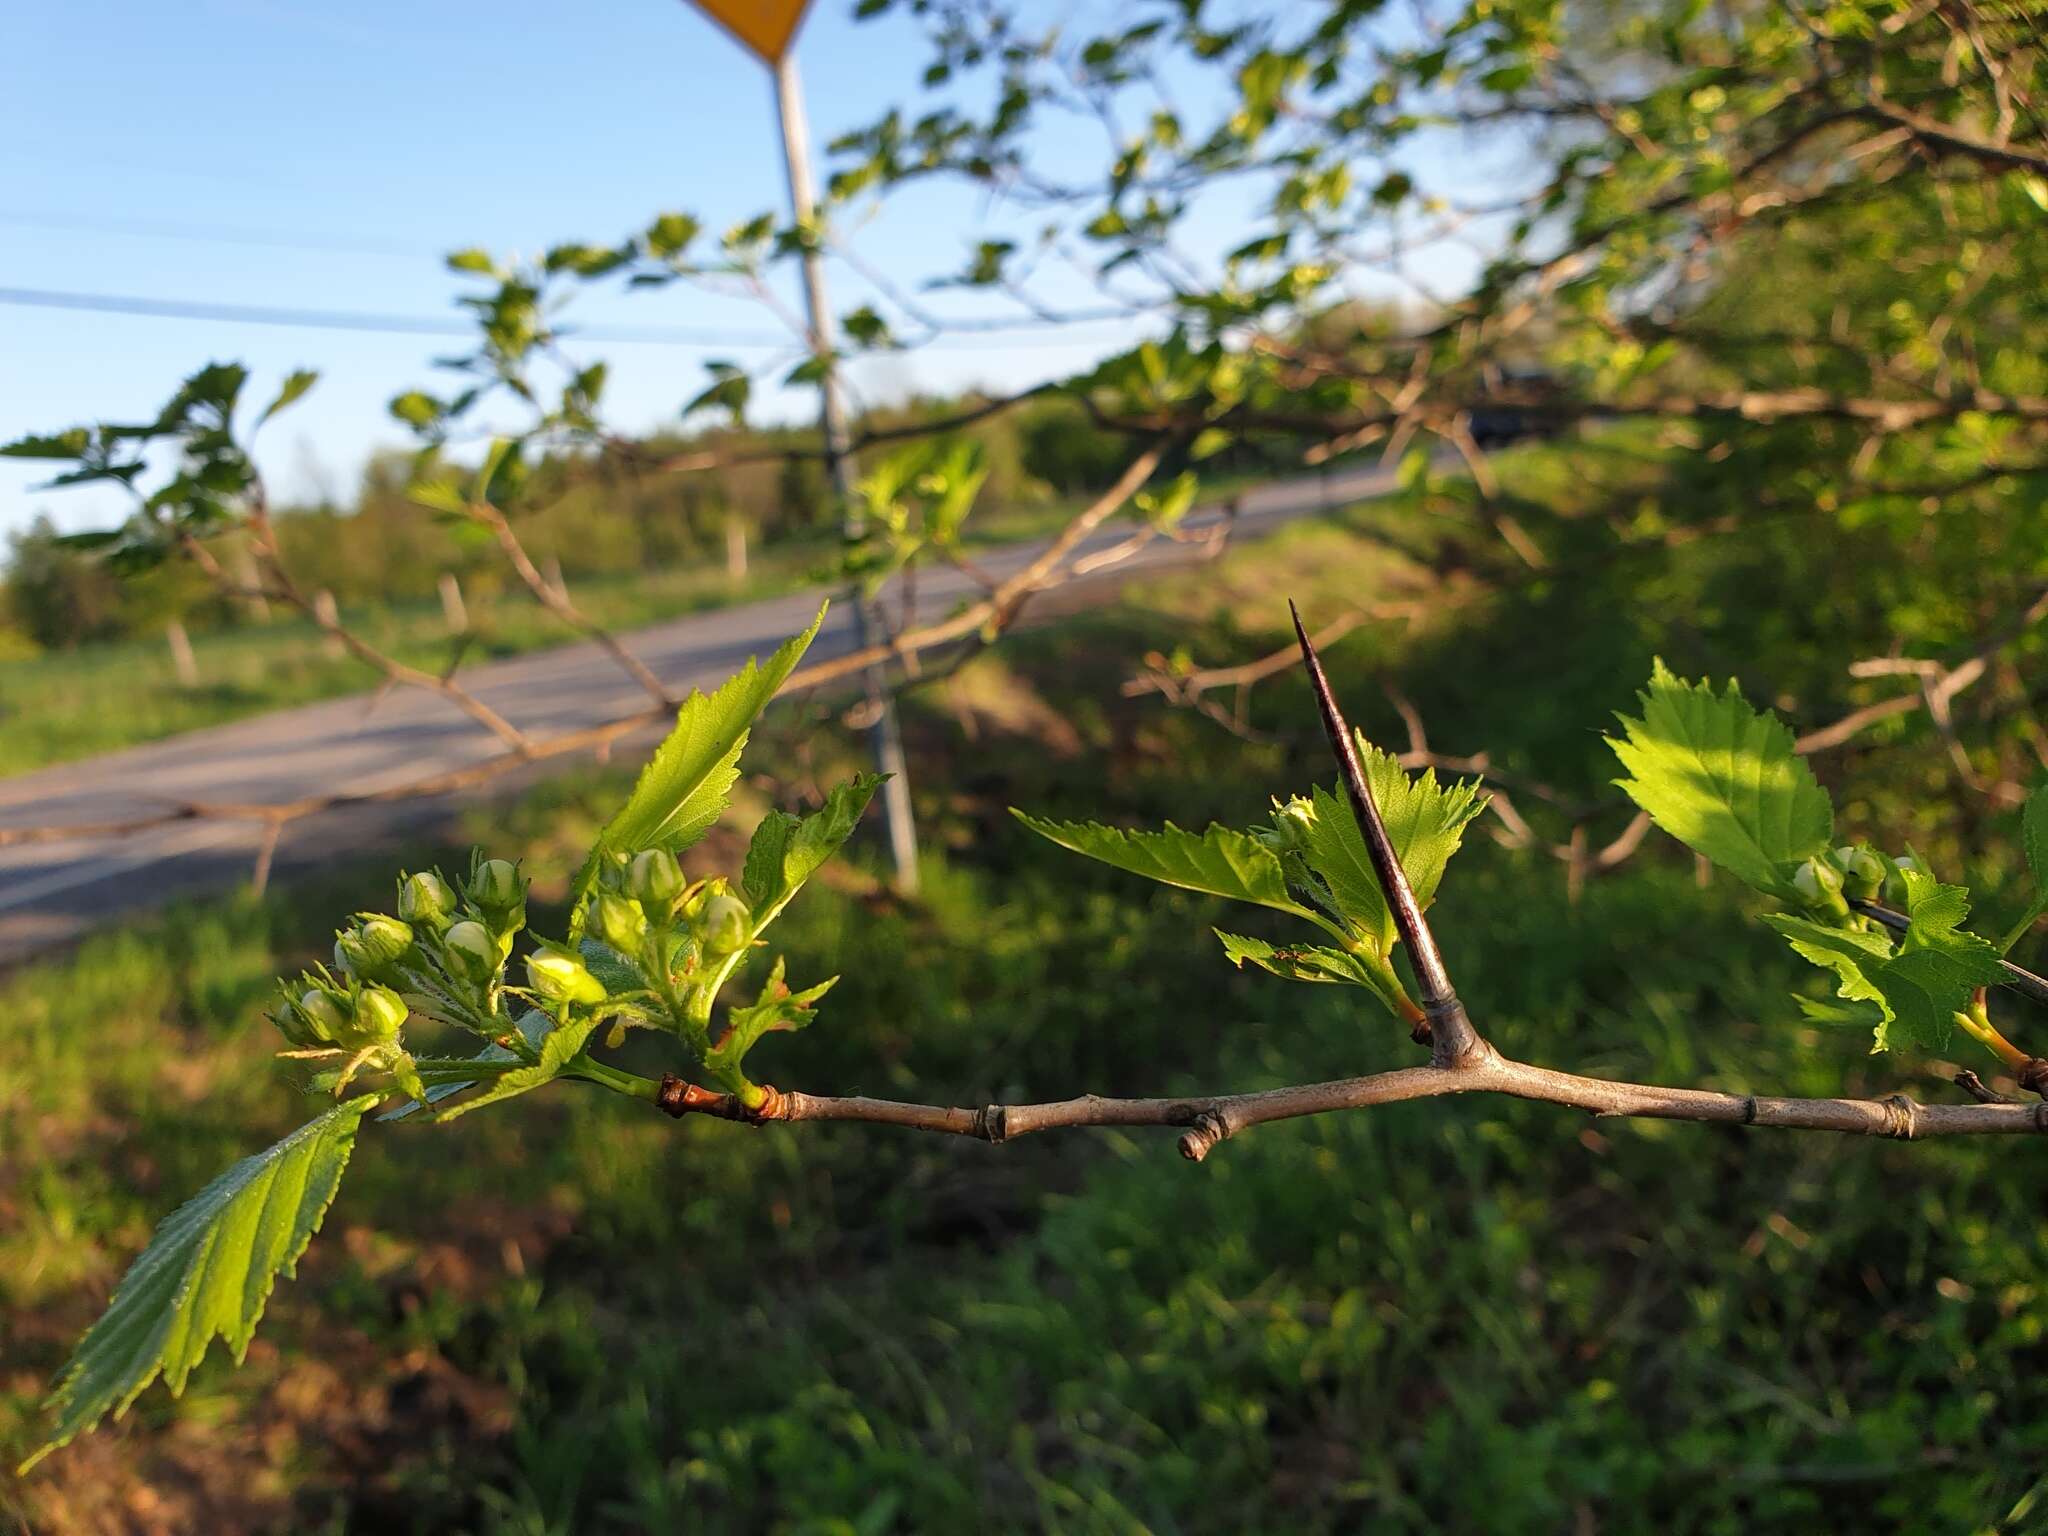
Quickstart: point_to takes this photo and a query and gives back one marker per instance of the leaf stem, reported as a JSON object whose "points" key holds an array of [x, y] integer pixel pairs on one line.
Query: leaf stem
{"points": [[1975, 1021]]}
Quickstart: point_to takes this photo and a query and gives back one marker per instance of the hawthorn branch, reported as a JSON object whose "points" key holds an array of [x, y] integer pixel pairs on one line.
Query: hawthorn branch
{"points": [[559, 603], [1208, 1119]]}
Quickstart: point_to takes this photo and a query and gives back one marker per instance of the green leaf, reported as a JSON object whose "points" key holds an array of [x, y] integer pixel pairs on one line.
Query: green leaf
{"points": [[207, 1271], [777, 1008], [667, 235], [557, 1048], [730, 389], [1298, 962], [1169, 504], [473, 259], [438, 496], [1425, 821], [417, 409], [1915, 991], [787, 850], [1724, 780], [295, 385], [683, 788], [1852, 954], [1218, 862], [498, 472], [55, 445]]}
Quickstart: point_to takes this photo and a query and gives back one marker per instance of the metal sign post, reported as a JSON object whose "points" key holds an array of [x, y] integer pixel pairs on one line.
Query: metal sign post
{"points": [[767, 28]]}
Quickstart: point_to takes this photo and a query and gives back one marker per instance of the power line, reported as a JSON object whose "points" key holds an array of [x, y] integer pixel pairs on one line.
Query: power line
{"points": [[360, 320], [427, 325]]}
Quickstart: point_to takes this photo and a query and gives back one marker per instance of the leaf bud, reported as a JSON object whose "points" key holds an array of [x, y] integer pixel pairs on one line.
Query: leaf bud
{"points": [[472, 952], [723, 924], [621, 922], [654, 878], [562, 977], [425, 899]]}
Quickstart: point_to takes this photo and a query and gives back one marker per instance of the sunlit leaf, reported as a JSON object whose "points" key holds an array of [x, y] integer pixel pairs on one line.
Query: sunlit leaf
{"points": [[207, 1272], [1724, 780]]}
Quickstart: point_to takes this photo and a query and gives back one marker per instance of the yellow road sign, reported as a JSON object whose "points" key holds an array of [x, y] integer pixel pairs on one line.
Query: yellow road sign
{"points": [[764, 26]]}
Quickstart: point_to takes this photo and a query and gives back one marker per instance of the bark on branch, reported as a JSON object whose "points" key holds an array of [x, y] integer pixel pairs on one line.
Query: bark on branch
{"points": [[1207, 1119]]}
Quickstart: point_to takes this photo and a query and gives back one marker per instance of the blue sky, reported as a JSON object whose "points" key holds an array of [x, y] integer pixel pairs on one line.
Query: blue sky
{"points": [[301, 155]]}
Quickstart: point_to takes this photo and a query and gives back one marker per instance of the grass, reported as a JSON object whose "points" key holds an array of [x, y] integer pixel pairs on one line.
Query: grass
{"points": [[572, 1315]]}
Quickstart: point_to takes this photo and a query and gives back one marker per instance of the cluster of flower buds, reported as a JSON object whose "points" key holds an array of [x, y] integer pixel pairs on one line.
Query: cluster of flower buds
{"points": [[645, 910], [1829, 882], [329, 1013]]}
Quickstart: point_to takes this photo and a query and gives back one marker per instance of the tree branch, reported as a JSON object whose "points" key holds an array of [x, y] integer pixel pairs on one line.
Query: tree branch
{"points": [[1208, 1119]]}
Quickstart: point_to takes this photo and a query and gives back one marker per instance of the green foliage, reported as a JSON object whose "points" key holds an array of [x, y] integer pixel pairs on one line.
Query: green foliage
{"points": [[788, 849], [672, 949], [207, 1273], [684, 788], [1424, 821], [1311, 863], [1218, 862], [559, 1045], [1724, 780], [777, 1008], [1909, 996]]}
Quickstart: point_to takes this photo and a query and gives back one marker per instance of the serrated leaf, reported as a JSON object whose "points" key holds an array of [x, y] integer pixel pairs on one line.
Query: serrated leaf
{"points": [[1297, 962], [787, 850], [295, 384], [1908, 997], [1425, 822], [1218, 862], [557, 1048], [1724, 780], [208, 1271], [777, 1008], [1852, 954], [685, 785], [618, 974]]}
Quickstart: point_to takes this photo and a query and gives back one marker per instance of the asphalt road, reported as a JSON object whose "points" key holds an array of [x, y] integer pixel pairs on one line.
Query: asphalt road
{"points": [[51, 893]]}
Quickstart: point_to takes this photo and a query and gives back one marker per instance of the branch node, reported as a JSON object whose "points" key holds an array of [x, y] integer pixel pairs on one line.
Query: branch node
{"points": [[1749, 1110], [1901, 1117], [2032, 1075], [1977, 1089], [1200, 1138], [992, 1124]]}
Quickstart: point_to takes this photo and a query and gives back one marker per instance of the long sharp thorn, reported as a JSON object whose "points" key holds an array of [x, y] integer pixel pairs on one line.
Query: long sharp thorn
{"points": [[1453, 1034]]}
